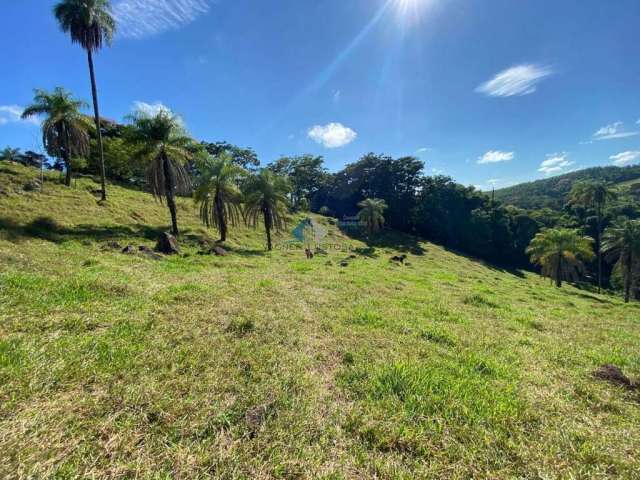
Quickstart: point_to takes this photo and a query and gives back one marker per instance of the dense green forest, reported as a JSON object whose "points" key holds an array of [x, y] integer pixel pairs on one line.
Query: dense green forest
{"points": [[553, 192]]}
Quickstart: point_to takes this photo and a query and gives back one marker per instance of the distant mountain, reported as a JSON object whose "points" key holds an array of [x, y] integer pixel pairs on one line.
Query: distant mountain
{"points": [[552, 192]]}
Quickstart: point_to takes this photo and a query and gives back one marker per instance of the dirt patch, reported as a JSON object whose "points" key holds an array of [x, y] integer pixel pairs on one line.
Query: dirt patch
{"points": [[612, 374]]}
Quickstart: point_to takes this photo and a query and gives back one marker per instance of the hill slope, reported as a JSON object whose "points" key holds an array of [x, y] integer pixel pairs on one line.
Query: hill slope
{"points": [[267, 365], [552, 192]]}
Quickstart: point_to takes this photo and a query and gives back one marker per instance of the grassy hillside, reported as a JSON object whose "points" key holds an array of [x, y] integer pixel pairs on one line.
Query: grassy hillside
{"points": [[552, 192], [267, 365]]}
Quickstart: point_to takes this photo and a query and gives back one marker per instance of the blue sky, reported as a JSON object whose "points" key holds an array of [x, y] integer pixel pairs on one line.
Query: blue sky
{"points": [[487, 91]]}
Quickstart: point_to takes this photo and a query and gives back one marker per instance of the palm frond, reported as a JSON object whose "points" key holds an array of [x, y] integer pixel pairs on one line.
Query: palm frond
{"points": [[266, 200], [89, 22], [64, 129], [560, 252]]}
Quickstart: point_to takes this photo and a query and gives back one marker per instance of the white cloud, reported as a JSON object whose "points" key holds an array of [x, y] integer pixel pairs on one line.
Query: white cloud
{"points": [[625, 158], [518, 80], [150, 109], [12, 114], [423, 150], [332, 135], [494, 181], [615, 130], [153, 109], [495, 156], [337, 95], [142, 18], [555, 163]]}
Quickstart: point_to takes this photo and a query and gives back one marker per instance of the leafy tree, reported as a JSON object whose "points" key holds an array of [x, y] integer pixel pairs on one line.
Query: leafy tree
{"points": [[244, 157], [621, 244], [89, 23], [64, 130], [119, 150], [523, 228], [121, 160], [396, 181], [164, 144], [560, 252], [593, 194], [265, 196], [10, 154], [444, 209], [306, 174], [218, 194], [303, 205], [372, 214]]}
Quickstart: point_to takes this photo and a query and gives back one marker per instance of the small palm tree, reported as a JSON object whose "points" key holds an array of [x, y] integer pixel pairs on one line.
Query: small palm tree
{"points": [[218, 194], [266, 199], [593, 194], [560, 252], [621, 243], [10, 154], [165, 145], [90, 23], [64, 130], [372, 214]]}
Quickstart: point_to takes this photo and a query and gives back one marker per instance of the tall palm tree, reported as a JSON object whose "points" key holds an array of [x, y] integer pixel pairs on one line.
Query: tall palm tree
{"points": [[560, 252], [91, 24], [621, 243], [64, 130], [165, 145], [372, 214], [593, 194], [266, 200], [10, 154], [218, 194]]}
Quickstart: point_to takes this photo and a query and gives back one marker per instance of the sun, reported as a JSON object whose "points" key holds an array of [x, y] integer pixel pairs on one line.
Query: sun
{"points": [[411, 10]]}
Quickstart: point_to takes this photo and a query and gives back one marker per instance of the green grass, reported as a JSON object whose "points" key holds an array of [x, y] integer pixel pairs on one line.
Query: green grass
{"points": [[266, 365]]}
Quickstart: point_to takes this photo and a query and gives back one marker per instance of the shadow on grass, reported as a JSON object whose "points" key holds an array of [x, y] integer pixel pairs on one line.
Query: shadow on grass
{"points": [[401, 242], [586, 296], [369, 252], [406, 243], [516, 272], [46, 228], [245, 252]]}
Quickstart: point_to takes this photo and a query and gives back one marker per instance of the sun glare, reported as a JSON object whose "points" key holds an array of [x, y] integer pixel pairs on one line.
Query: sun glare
{"points": [[411, 10]]}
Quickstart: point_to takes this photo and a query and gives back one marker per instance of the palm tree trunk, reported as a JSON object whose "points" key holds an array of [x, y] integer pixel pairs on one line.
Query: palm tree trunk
{"points": [[599, 253], [67, 164], [559, 272], [96, 111], [221, 219], [267, 227], [627, 282], [170, 186], [66, 157]]}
